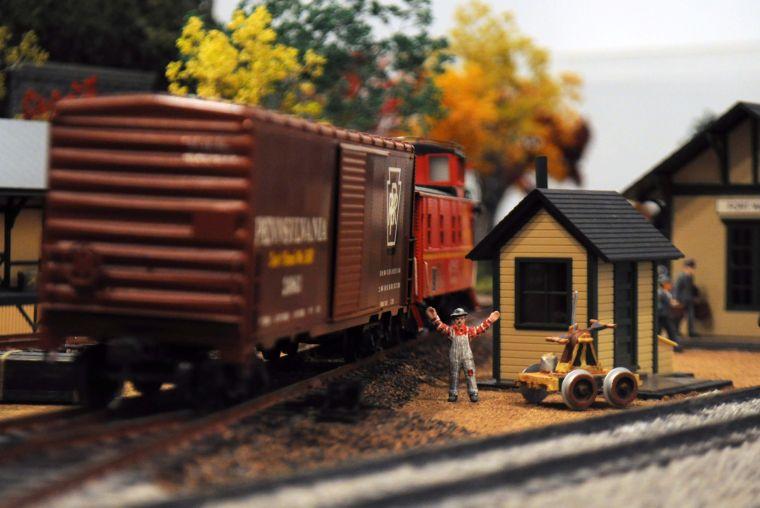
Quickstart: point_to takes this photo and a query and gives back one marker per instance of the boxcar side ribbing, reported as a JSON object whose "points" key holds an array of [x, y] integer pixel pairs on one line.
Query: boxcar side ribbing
{"points": [[206, 224]]}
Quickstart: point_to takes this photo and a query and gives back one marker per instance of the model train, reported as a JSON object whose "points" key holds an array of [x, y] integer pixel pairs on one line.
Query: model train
{"points": [[182, 235]]}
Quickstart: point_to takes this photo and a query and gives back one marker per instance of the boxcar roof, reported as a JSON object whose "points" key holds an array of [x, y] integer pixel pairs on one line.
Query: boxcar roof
{"points": [[155, 104], [603, 221]]}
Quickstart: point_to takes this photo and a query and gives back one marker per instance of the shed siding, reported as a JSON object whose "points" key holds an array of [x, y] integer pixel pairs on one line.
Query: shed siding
{"points": [[645, 318], [606, 314], [541, 237], [700, 234], [664, 358], [704, 168], [740, 154]]}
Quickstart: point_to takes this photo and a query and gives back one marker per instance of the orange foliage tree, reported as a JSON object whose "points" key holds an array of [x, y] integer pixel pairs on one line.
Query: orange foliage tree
{"points": [[504, 106]]}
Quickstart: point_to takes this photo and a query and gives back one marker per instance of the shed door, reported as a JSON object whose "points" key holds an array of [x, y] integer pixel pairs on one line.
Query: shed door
{"points": [[625, 315]]}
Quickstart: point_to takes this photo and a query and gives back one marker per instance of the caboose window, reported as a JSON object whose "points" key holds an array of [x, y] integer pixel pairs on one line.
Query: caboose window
{"points": [[429, 229], [443, 230], [439, 169], [542, 293]]}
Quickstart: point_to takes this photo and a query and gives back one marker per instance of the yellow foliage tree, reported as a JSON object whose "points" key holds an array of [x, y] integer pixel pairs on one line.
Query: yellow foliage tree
{"points": [[245, 64], [504, 105], [26, 51]]}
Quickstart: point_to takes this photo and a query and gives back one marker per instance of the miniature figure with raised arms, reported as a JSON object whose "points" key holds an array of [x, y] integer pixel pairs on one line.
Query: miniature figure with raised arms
{"points": [[460, 354]]}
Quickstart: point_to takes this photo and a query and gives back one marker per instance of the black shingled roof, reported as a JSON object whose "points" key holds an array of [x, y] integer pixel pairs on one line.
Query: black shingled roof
{"points": [[603, 221]]}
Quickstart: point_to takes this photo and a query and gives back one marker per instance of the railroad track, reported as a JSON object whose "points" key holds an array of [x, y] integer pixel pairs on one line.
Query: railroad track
{"points": [[587, 461], [43, 462]]}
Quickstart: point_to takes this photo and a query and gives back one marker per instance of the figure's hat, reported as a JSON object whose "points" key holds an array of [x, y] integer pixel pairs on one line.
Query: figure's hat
{"points": [[459, 312]]}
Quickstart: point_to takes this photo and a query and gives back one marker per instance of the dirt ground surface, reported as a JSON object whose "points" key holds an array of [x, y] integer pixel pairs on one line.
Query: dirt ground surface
{"points": [[404, 407], [741, 367], [502, 411], [8, 411]]}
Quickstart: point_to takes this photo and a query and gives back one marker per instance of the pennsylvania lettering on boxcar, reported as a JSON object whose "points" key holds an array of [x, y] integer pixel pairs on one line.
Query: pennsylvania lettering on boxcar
{"points": [[274, 231]]}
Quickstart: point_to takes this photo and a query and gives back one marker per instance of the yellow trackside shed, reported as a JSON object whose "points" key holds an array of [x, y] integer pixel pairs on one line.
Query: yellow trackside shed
{"points": [[708, 192], [556, 241]]}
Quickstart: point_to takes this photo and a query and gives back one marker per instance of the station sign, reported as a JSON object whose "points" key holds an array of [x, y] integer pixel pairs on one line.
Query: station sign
{"points": [[738, 207]]}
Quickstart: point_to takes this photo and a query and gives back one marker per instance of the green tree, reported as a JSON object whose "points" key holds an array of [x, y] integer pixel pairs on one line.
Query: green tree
{"points": [[115, 33], [26, 51], [380, 58]]}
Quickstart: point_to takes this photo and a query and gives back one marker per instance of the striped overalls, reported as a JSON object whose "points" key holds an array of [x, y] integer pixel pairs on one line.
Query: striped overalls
{"points": [[460, 354]]}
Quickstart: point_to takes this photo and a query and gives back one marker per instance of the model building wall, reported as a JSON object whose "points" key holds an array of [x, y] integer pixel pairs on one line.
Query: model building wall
{"points": [[740, 153], [699, 232], [606, 313], [540, 237], [664, 359], [645, 319], [25, 246]]}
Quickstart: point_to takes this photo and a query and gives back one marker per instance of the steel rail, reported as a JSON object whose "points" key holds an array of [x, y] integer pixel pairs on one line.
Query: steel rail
{"points": [[642, 451], [194, 430]]}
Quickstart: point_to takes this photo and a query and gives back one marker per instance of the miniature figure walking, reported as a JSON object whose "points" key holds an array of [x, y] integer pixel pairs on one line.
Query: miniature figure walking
{"points": [[460, 354], [685, 293], [665, 305]]}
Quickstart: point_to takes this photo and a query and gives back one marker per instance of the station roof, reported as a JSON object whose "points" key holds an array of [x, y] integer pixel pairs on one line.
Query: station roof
{"points": [[603, 221], [646, 186], [23, 156]]}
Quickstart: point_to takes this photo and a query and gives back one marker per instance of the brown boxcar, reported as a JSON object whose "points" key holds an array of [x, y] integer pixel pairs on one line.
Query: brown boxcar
{"points": [[184, 226]]}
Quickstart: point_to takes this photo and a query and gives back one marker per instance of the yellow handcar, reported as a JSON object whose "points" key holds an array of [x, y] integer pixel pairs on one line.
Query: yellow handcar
{"points": [[578, 384]]}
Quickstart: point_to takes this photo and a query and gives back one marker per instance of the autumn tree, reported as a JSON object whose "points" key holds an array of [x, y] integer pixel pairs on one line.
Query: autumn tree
{"points": [[27, 50], [246, 64], [380, 58], [504, 105]]}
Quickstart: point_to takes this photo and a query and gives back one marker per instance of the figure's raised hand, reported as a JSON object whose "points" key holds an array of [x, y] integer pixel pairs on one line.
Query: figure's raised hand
{"points": [[432, 314], [494, 316]]}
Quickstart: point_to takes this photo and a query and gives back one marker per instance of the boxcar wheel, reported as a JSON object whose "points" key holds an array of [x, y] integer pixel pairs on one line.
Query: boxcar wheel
{"points": [[578, 389], [291, 348], [350, 353], [148, 388], [370, 341], [94, 387], [620, 387], [532, 395]]}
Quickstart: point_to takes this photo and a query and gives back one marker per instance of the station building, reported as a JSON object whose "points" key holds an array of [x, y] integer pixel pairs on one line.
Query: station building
{"points": [[23, 162], [708, 192], [556, 241]]}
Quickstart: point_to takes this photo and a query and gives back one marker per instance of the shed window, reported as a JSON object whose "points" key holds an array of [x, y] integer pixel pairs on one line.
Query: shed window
{"points": [[543, 293], [743, 266]]}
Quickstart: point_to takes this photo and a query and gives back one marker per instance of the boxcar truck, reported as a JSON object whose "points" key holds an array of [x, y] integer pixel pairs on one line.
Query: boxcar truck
{"points": [[182, 236]]}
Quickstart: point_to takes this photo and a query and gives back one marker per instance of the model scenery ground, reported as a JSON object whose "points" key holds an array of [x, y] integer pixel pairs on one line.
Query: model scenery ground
{"points": [[404, 407]]}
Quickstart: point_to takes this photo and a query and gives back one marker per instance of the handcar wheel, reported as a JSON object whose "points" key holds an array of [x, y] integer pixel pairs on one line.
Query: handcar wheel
{"points": [[578, 389], [532, 395], [620, 387]]}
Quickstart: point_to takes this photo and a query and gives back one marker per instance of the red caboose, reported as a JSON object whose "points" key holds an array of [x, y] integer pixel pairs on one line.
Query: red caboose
{"points": [[443, 225]]}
